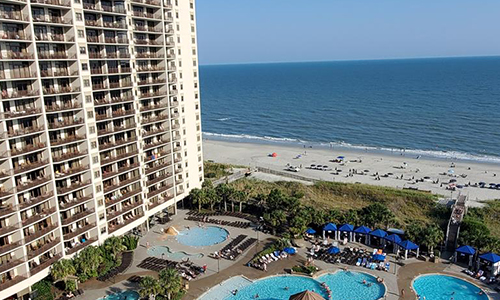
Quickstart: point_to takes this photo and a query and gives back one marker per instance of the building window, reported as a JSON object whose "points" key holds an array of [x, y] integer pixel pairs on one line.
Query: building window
{"points": [[103, 230], [101, 217], [83, 50], [97, 174], [196, 85], [93, 145], [98, 189], [195, 74], [81, 34], [194, 62], [86, 82], [95, 159], [196, 96], [88, 99], [79, 17], [85, 67], [90, 114]]}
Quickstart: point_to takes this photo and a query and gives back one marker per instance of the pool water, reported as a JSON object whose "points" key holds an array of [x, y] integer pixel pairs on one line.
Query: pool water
{"points": [[126, 295], [344, 285], [164, 251], [202, 236], [442, 287]]}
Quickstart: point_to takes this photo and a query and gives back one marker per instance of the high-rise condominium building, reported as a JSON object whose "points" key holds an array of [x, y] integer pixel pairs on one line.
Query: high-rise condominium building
{"points": [[100, 125]]}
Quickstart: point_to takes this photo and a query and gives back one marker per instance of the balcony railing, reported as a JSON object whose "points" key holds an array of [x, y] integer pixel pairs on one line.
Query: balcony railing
{"points": [[52, 2], [110, 202], [157, 167], [9, 35], [78, 231], [47, 246], [65, 106], [4, 266], [6, 210], [80, 246], [36, 200], [44, 265], [18, 55], [74, 122], [159, 190], [21, 113], [156, 144], [104, 146], [55, 55], [9, 229], [74, 186], [70, 204], [122, 183], [52, 19], [27, 148], [116, 129], [71, 171], [77, 216], [149, 55], [159, 179], [39, 216], [68, 139], [160, 201], [39, 233], [113, 228], [60, 90], [30, 166], [32, 183], [25, 131], [121, 170], [13, 15], [19, 94], [8, 283]]}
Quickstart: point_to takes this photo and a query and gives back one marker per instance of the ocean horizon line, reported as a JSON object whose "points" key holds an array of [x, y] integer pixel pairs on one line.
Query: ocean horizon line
{"points": [[349, 60]]}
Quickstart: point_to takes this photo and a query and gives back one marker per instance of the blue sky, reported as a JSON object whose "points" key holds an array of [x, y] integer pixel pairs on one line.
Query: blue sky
{"points": [[244, 31]]}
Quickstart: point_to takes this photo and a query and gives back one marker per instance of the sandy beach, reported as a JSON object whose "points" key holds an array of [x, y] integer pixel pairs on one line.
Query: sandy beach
{"points": [[385, 169]]}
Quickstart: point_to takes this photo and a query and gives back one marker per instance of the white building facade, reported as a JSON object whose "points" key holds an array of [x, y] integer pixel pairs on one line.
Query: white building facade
{"points": [[100, 125]]}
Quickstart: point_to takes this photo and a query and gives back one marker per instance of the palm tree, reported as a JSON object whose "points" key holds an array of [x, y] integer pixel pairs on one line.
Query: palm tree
{"points": [[433, 236], [88, 262], [150, 287], [114, 246], [224, 191], [62, 269], [245, 194], [171, 282], [197, 197]]}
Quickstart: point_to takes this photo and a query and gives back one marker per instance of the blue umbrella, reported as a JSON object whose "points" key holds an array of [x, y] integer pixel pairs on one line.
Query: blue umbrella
{"points": [[466, 250], [330, 227], [394, 238], [333, 250], [289, 250], [362, 230], [310, 231], [340, 157]]}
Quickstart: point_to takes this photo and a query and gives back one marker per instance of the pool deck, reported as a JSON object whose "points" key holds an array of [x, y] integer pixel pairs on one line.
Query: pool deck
{"points": [[398, 278]]}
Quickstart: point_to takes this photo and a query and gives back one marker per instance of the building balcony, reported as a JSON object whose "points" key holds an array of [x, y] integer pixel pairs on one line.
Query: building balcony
{"points": [[106, 175], [60, 90], [8, 283], [53, 38], [4, 266], [94, 23], [100, 86], [71, 204], [14, 16], [158, 179], [114, 9], [80, 246], [147, 29], [20, 94], [110, 145], [125, 196], [121, 184], [148, 2], [45, 264], [68, 155], [26, 149], [30, 166], [151, 82], [178, 170], [147, 42], [46, 247], [73, 187], [154, 68], [79, 231], [161, 201], [30, 238], [36, 200], [113, 228], [18, 55], [6, 210], [17, 36], [154, 119], [21, 113], [65, 106], [55, 55], [9, 229], [53, 2], [25, 131], [58, 73], [158, 167], [148, 56], [115, 25], [156, 144], [71, 171], [159, 190], [125, 209], [77, 216], [39, 216], [116, 129], [10, 247], [19, 73], [52, 20], [67, 123], [33, 183], [67, 140], [154, 132]]}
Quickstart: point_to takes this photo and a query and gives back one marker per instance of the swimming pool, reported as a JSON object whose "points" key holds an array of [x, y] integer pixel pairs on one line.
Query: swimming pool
{"points": [[344, 285], [442, 287], [162, 251], [125, 295], [202, 236]]}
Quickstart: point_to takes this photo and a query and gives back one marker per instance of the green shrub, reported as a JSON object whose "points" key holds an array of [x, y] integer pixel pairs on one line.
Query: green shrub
{"points": [[303, 269], [130, 242], [70, 286], [43, 290]]}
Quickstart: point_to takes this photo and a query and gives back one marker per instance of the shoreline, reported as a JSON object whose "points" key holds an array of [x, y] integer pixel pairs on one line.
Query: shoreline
{"points": [[434, 169]]}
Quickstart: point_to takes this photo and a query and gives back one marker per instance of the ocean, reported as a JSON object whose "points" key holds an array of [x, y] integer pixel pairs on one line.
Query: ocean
{"points": [[439, 107]]}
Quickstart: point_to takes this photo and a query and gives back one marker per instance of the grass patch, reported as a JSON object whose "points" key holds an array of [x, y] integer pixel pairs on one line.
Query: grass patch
{"points": [[489, 215], [406, 205]]}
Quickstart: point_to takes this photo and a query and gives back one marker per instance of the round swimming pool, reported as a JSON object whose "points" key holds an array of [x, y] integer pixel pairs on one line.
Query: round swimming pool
{"points": [[442, 287], [343, 285], [202, 236], [125, 295]]}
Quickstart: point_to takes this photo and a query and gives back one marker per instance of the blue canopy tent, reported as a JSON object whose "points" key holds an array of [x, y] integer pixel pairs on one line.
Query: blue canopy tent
{"points": [[489, 262], [362, 231], [310, 231], [378, 234], [465, 252], [408, 246], [378, 257], [289, 250], [330, 227], [393, 240], [333, 250], [348, 229]]}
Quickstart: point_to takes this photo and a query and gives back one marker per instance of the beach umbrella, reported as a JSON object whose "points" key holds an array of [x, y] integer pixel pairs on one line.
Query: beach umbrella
{"points": [[274, 154], [333, 250], [451, 171], [289, 250], [310, 231], [306, 295], [340, 157]]}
